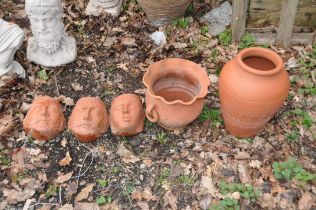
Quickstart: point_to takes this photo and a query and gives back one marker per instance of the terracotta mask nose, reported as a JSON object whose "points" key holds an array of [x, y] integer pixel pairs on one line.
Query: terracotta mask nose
{"points": [[87, 114]]}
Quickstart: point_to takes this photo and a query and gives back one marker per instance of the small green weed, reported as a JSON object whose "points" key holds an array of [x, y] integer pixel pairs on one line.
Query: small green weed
{"points": [[164, 175], [101, 200], [204, 30], [149, 124], [102, 183], [128, 189], [4, 159], [292, 136], [214, 115], [246, 191], [225, 37], [42, 74], [304, 117], [51, 191], [18, 177], [116, 170], [226, 204], [181, 22], [291, 169], [190, 10], [265, 45], [162, 137], [184, 180], [247, 41]]}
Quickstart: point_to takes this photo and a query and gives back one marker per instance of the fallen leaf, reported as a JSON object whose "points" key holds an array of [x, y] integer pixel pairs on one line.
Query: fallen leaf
{"points": [[6, 125], [126, 155], [76, 86], [63, 178], [255, 164], [207, 183], [86, 206], [90, 59], [84, 193], [123, 66], [66, 161], [64, 142], [171, 200], [66, 207], [179, 45], [306, 202], [66, 100], [15, 196], [136, 195], [242, 156], [143, 205], [128, 42]]}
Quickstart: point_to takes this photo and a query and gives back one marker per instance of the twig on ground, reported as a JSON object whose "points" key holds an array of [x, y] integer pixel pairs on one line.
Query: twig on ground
{"points": [[56, 84], [313, 77], [61, 204]]}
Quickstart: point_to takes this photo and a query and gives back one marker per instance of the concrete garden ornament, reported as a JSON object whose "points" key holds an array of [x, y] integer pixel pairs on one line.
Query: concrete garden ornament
{"points": [[45, 119], [89, 119], [127, 115], [97, 7], [252, 87], [11, 39], [175, 94], [50, 45]]}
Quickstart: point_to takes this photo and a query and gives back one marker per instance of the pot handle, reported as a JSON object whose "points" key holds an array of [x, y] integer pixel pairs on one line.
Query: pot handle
{"points": [[151, 114]]}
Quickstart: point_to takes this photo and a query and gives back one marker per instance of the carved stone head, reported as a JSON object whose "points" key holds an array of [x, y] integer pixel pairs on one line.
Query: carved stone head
{"points": [[45, 119], [89, 119], [46, 23], [127, 115]]}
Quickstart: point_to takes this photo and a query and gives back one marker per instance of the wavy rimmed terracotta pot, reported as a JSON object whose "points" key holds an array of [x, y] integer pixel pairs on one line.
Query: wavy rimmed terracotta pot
{"points": [[252, 87], [160, 12], [175, 94]]}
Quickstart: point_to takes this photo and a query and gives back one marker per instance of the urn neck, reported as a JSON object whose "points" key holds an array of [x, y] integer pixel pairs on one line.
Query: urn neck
{"points": [[260, 61]]}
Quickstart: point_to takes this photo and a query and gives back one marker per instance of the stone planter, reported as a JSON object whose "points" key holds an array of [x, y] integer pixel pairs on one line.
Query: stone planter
{"points": [[160, 12]]}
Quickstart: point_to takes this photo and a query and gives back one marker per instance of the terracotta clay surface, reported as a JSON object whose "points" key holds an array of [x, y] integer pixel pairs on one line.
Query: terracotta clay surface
{"points": [[175, 94], [89, 119], [45, 119], [127, 115], [252, 87]]}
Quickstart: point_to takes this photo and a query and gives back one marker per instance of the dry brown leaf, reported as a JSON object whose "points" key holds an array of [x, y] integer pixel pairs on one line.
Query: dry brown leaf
{"points": [[66, 207], [255, 164], [179, 45], [66, 161], [66, 100], [14, 196], [143, 205], [123, 66], [128, 42], [86, 206], [171, 200], [244, 173], [6, 124], [63, 178], [126, 155], [242, 156], [147, 195], [306, 201], [207, 183], [136, 195], [76, 86], [84, 193]]}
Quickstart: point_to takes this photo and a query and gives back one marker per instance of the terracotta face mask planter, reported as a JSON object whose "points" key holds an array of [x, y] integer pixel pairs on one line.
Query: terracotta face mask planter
{"points": [[45, 119], [252, 87], [89, 119], [127, 115], [175, 94]]}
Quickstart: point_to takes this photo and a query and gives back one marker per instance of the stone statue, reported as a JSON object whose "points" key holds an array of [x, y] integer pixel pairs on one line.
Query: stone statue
{"points": [[96, 7], [11, 39], [45, 119], [89, 119], [50, 46], [127, 115]]}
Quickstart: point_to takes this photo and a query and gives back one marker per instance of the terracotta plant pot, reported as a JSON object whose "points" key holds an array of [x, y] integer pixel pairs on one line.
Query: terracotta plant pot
{"points": [[252, 87], [45, 119], [160, 12], [89, 119], [175, 94], [127, 115]]}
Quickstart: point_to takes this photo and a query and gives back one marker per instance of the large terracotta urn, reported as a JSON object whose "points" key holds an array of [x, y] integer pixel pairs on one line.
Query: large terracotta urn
{"points": [[252, 87], [175, 94], [160, 12]]}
